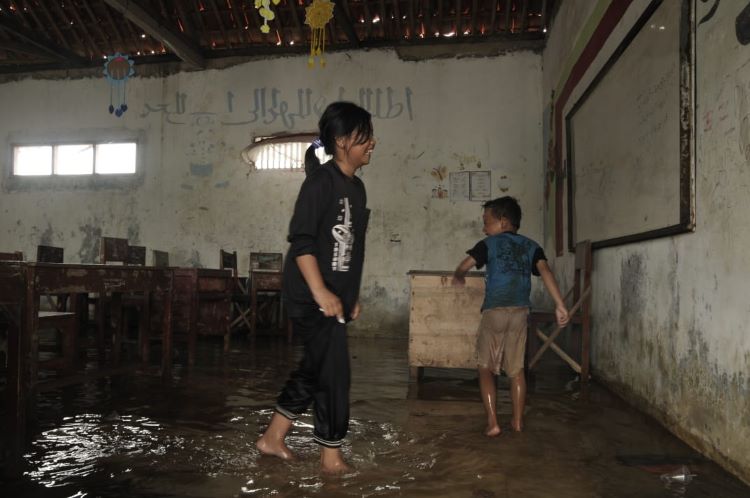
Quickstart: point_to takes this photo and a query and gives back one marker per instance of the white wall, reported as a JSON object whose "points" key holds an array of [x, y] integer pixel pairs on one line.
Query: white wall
{"points": [[671, 315], [198, 196]]}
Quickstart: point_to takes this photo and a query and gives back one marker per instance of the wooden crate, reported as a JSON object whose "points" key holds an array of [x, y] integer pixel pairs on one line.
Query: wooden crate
{"points": [[443, 320]]}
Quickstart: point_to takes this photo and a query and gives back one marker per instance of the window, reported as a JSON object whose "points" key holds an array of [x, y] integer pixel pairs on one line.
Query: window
{"points": [[279, 152], [106, 158]]}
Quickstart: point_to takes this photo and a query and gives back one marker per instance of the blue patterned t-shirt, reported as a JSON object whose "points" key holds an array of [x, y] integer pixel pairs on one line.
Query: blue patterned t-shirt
{"points": [[511, 260]]}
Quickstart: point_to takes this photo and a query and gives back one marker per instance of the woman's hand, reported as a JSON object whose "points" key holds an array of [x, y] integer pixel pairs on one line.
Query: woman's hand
{"points": [[356, 310], [329, 303]]}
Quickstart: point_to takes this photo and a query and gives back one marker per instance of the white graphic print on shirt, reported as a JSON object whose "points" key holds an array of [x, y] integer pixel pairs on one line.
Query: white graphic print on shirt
{"points": [[342, 233]]}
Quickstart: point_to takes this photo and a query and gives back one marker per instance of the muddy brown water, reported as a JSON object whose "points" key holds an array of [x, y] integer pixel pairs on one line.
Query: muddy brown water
{"points": [[193, 436]]}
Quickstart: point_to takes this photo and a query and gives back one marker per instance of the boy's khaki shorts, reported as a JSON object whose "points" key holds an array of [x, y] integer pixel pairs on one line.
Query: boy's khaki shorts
{"points": [[501, 341]]}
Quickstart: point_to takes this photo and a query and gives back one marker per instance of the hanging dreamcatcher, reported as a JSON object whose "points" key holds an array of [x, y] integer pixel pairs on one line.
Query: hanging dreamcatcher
{"points": [[264, 9], [317, 15], [118, 69]]}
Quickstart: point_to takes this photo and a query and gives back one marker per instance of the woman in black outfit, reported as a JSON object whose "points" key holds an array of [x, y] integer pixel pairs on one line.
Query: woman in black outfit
{"points": [[322, 275]]}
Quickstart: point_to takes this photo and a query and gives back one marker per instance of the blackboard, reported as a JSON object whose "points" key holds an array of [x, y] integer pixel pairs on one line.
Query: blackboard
{"points": [[630, 136]]}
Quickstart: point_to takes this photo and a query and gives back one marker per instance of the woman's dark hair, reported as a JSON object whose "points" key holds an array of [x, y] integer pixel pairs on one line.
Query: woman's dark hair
{"points": [[341, 119]]}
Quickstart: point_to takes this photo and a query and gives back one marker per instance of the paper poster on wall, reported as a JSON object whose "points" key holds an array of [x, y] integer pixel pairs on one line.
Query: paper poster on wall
{"points": [[470, 186], [460, 190], [480, 186]]}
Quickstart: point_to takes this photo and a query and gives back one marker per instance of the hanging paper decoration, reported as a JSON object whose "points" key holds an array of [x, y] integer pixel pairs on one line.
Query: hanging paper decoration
{"points": [[264, 9], [317, 15], [117, 69]]}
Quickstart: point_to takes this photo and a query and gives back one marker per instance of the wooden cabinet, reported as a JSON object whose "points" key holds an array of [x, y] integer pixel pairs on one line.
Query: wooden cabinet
{"points": [[443, 320]]}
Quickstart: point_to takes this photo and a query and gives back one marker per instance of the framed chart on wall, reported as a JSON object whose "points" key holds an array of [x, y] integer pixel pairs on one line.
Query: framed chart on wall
{"points": [[630, 136]]}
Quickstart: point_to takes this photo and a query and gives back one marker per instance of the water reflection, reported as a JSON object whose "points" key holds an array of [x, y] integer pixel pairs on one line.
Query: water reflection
{"points": [[194, 436]]}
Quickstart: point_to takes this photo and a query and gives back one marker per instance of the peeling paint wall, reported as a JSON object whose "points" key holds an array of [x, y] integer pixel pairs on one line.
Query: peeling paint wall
{"points": [[670, 316], [197, 196]]}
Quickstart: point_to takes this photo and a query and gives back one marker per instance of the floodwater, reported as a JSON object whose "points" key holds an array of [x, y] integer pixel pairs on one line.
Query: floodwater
{"points": [[193, 436]]}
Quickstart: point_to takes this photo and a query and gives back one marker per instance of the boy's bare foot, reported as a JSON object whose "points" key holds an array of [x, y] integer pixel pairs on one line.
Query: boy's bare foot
{"points": [[493, 431], [332, 463], [274, 448]]}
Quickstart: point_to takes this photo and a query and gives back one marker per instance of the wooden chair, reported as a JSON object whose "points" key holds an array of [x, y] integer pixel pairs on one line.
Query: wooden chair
{"points": [[265, 289], [161, 258], [136, 255], [240, 298], [11, 256], [113, 250], [580, 313], [65, 322]]}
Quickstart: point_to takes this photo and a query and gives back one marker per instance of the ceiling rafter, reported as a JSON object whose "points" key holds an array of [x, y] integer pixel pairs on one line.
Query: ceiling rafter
{"points": [[155, 27], [8, 23], [341, 14]]}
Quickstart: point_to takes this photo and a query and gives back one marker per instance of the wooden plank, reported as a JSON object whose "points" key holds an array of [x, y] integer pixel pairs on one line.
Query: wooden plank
{"points": [[183, 49]]}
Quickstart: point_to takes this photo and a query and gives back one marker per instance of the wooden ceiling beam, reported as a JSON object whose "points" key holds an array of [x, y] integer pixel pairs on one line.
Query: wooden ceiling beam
{"points": [[459, 28], [187, 24], [398, 34], [154, 27], [412, 20], [239, 23], [341, 14], [92, 47], [13, 26], [524, 15], [474, 16], [220, 22], [97, 23], [493, 17], [507, 16], [384, 21], [295, 19], [54, 25]]}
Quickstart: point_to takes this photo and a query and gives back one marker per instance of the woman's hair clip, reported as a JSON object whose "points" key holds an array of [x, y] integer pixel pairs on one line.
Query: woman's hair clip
{"points": [[320, 151], [317, 143]]}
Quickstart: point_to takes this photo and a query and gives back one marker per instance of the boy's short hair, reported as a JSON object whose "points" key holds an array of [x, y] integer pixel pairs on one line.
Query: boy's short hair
{"points": [[505, 207]]}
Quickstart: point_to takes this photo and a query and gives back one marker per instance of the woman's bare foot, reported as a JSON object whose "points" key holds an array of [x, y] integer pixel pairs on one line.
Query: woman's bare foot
{"points": [[331, 461], [267, 446], [517, 426], [493, 431]]}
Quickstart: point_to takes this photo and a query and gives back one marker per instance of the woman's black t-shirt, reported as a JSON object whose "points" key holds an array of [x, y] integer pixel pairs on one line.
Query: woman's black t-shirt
{"points": [[329, 221]]}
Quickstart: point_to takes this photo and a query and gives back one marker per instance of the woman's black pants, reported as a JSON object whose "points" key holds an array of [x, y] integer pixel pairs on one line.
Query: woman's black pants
{"points": [[322, 378]]}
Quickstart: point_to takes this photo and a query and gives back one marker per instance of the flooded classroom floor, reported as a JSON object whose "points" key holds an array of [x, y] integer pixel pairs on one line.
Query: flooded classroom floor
{"points": [[193, 436]]}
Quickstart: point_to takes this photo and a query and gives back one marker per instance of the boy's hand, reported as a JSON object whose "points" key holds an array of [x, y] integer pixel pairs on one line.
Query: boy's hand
{"points": [[561, 312], [458, 281]]}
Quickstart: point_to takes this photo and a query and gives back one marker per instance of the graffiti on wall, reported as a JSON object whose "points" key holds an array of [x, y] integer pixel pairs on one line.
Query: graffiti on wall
{"points": [[271, 106]]}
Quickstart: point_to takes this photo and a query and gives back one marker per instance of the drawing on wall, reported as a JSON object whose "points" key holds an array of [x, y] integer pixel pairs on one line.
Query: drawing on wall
{"points": [[317, 16], [742, 26], [118, 69], [710, 12], [269, 105], [471, 186], [440, 174]]}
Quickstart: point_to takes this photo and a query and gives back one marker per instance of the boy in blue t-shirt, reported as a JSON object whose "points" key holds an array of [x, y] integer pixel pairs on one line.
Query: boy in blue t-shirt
{"points": [[511, 259]]}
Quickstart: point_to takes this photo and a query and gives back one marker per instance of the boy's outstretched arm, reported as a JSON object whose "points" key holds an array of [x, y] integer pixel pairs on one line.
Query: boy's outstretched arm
{"points": [[550, 283], [463, 268]]}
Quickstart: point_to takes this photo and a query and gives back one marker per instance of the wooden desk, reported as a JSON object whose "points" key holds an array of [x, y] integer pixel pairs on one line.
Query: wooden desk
{"points": [[203, 304], [443, 320], [264, 281], [21, 285]]}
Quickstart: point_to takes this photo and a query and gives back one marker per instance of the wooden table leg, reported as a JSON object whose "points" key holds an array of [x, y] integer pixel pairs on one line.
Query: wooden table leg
{"points": [[117, 326], [166, 334], [144, 328]]}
